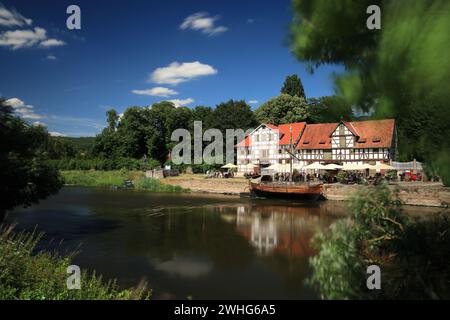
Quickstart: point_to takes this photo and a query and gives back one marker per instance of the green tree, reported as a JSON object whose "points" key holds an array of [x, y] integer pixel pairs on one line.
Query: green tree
{"points": [[112, 118], [293, 86], [233, 114], [283, 109], [329, 109], [203, 114], [397, 71], [25, 176]]}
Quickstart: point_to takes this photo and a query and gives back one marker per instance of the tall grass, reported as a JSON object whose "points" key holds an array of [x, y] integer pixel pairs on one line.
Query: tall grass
{"points": [[156, 186], [42, 276], [116, 178]]}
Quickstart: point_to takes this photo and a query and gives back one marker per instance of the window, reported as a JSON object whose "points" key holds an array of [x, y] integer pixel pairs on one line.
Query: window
{"points": [[257, 138]]}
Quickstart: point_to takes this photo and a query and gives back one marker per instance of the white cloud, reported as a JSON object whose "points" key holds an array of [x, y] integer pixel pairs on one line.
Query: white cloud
{"points": [[57, 134], [38, 123], [156, 92], [52, 43], [181, 102], [252, 101], [11, 18], [177, 72], [51, 57], [250, 20], [22, 38], [203, 22], [18, 39], [23, 110]]}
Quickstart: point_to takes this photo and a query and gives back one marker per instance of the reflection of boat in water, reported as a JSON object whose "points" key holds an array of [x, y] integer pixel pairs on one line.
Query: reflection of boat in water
{"points": [[263, 187]]}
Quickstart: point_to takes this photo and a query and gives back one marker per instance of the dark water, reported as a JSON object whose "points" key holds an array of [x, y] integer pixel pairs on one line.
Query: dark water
{"points": [[185, 245]]}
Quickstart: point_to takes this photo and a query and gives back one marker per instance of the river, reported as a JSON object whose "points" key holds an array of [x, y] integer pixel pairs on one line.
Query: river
{"points": [[185, 245]]}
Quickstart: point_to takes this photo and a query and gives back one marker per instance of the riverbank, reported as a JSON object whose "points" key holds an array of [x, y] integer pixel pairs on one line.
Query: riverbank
{"points": [[198, 183], [409, 193], [117, 179]]}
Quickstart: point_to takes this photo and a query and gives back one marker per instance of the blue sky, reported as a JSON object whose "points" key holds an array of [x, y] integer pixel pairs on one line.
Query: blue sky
{"points": [[140, 52]]}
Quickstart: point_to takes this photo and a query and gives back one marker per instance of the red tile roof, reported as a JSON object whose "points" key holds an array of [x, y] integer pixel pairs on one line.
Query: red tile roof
{"points": [[317, 136], [370, 134], [284, 129], [375, 133], [245, 142]]}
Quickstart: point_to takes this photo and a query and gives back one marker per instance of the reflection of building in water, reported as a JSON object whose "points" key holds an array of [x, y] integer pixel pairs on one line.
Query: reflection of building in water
{"points": [[263, 234], [280, 229]]}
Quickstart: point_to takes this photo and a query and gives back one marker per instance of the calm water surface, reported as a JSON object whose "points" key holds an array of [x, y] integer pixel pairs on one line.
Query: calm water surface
{"points": [[199, 246]]}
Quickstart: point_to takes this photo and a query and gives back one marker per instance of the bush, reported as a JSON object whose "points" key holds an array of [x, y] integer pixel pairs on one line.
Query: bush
{"points": [[342, 176], [42, 276], [156, 186], [412, 254], [104, 164]]}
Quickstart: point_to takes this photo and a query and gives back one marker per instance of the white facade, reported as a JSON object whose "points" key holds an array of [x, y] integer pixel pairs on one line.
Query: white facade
{"points": [[341, 145]]}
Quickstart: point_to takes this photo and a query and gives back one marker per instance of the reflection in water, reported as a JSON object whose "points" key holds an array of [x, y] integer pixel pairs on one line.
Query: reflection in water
{"points": [[186, 245]]}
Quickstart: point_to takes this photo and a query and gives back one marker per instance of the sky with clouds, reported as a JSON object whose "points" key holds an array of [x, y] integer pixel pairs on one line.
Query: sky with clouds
{"points": [[135, 53]]}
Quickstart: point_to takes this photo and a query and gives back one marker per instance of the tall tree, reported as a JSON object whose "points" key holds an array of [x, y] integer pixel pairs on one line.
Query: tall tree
{"points": [[283, 109], [233, 114], [112, 117], [329, 109], [25, 176], [293, 86]]}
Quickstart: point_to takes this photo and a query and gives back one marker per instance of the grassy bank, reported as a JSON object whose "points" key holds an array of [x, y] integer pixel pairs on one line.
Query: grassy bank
{"points": [[43, 276], [116, 178]]}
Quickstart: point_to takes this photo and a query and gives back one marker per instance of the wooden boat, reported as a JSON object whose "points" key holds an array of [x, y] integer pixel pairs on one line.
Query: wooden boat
{"points": [[289, 190]]}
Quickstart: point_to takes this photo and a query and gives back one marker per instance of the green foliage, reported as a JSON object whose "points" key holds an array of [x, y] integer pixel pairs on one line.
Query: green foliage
{"points": [[116, 178], [104, 164], [25, 176], [329, 109], [391, 175], [283, 109], [233, 115], [293, 86], [102, 178], [42, 276], [412, 254], [342, 176], [398, 72], [155, 185]]}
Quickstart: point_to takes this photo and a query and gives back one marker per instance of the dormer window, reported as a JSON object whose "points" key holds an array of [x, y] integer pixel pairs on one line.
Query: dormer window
{"points": [[376, 139]]}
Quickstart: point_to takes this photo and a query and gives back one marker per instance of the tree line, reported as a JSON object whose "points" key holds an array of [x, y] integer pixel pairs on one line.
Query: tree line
{"points": [[140, 138]]}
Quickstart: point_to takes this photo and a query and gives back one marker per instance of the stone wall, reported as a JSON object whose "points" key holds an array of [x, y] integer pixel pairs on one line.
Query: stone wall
{"points": [[416, 194]]}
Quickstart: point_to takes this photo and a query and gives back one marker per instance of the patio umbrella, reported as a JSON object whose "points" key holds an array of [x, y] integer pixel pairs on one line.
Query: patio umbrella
{"points": [[333, 166], [229, 166], [383, 166], [297, 166], [355, 166], [278, 167], [315, 166]]}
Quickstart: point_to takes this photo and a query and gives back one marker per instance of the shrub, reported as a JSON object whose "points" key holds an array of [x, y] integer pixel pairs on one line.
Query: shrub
{"points": [[155, 185], [42, 276], [342, 176]]}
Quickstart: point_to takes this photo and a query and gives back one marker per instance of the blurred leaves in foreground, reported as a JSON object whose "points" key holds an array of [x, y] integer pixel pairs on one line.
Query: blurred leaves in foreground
{"points": [[401, 71], [413, 254]]}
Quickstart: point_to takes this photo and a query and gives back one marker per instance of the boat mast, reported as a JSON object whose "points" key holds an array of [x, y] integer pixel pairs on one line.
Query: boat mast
{"points": [[291, 152]]}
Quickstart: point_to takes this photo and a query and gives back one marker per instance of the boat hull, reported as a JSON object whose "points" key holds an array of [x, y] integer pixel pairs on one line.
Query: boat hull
{"points": [[297, 192]]}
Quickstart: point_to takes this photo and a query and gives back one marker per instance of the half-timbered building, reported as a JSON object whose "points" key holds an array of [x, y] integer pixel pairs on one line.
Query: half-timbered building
{"points": [[371, 141]]}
